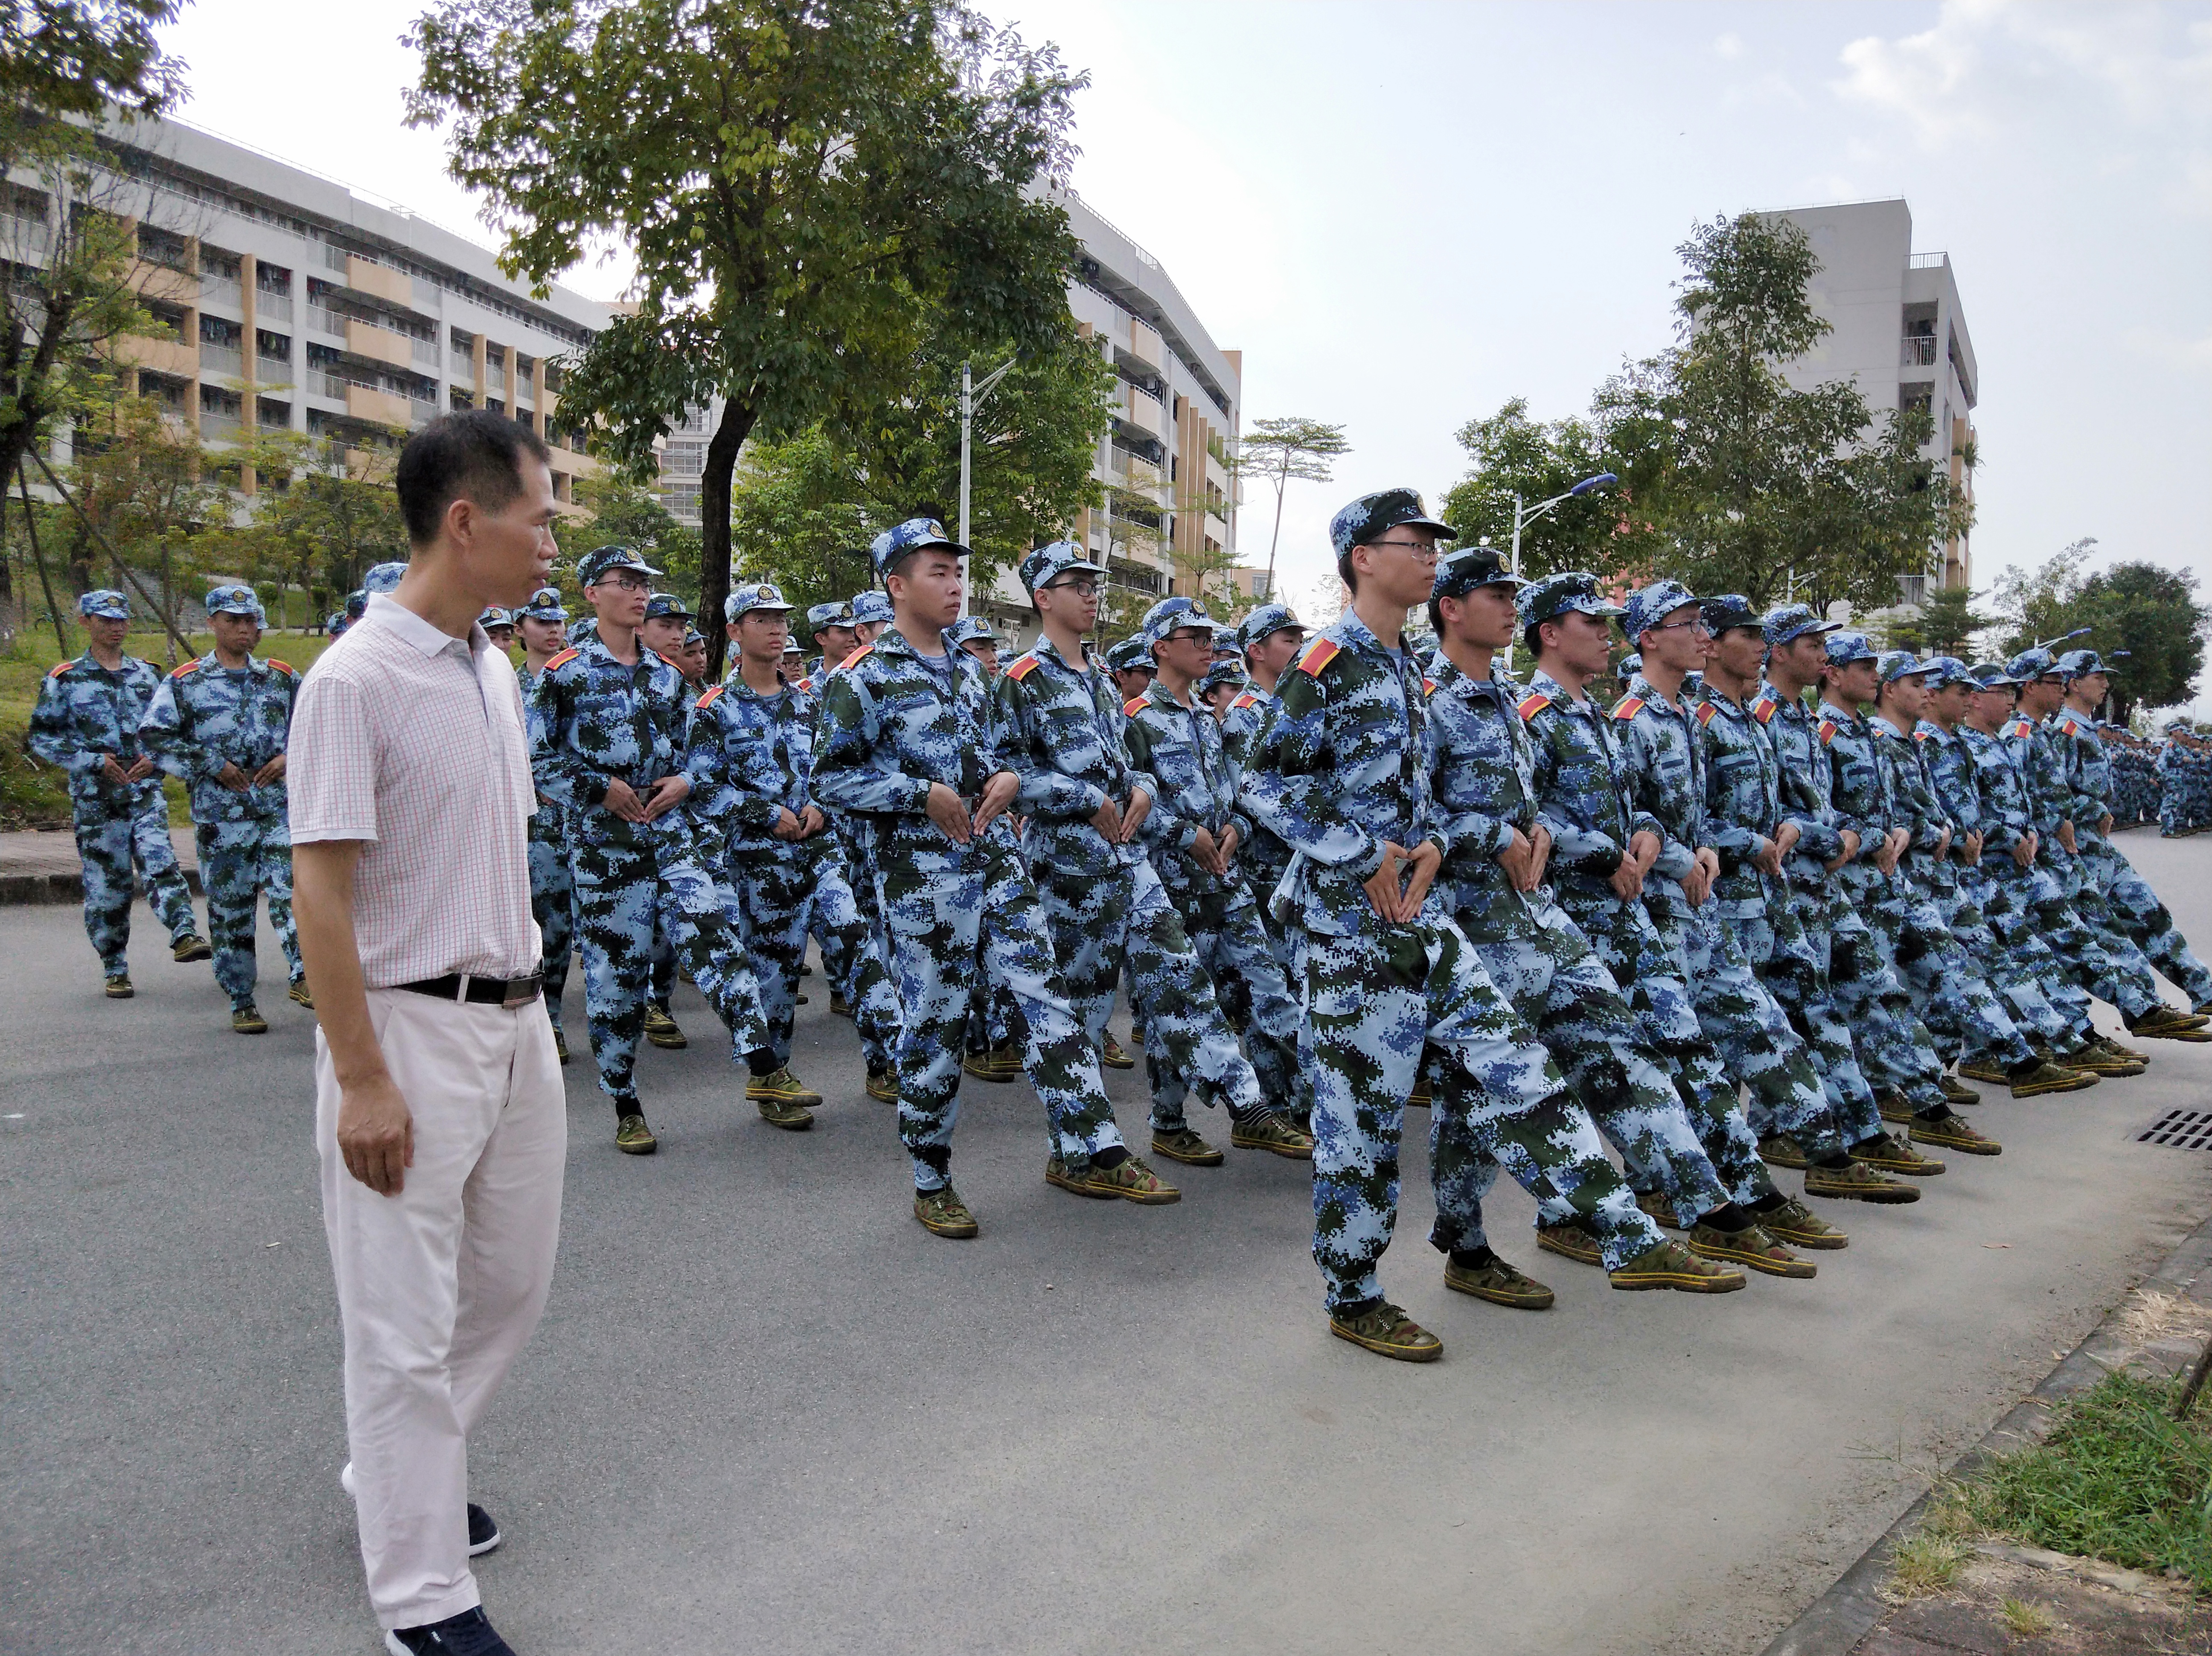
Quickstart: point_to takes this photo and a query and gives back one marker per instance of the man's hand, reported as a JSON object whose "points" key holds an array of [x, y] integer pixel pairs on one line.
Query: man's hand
{"points": [[2105, 825], [1786, 838], [232, 777], [114, 772], [1972, 848], [1398, 888], [787, 826], [1626, 880], [998, 796], [2066, 836], [1768, 858], [272, 771], [1697, 884], [1422, 871], [622, 800], [1204, 853], [2023, 849], [811, 822], [1850, 838], [1943, 843], [375, 1134], [1886, 858], [1644, 846], [1231, 840], [1541, 837], [1141, 807], [1106, 819], [141, 768], [666, 794], [944, 808], [1519, 862]]}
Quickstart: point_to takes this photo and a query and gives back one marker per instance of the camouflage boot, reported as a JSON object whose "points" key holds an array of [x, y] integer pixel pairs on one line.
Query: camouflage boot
{"points": [[1497, 1282], [1389, 1332]]}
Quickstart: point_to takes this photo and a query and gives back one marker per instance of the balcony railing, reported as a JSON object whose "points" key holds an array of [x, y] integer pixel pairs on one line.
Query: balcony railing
{"points": [[463, 367], [222, 290], [323, 320], [221, 428], [495, 376], [335, 258], [269, 306], [1919, 351], [271, 371], [426, 353], [221, 359]]}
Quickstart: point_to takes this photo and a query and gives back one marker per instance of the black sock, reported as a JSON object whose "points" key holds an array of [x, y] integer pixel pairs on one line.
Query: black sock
{"points": [[1352, 1310], [1841, 1158], [1111, 1158], [1474, 1258], [2022, 1071], [1934, 1112], [762, 1062], [1773, 1200], [1729, 1219]]}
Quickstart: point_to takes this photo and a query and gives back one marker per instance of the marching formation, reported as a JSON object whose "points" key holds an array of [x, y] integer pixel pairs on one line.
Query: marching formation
{"points": [[1746, 932]]}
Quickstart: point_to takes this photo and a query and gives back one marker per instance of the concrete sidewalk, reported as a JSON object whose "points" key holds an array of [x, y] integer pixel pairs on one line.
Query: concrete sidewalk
{"points": [[41, 865]]}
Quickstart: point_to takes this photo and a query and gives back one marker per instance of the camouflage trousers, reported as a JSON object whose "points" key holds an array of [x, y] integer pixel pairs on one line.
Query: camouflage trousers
{"points": [[2018, 965], [1790, 948], [851, 954], [553, 905], [964, 917], [2145, 921], [1894, 1048], [1648, 964], [1558, 985], [1373, 1000], [238, 861], [1231, 946], [1957, 1007], [1757, 1045], [1105, 924], [626, 884], [782, 896], [2076, 925], [112, 844]]}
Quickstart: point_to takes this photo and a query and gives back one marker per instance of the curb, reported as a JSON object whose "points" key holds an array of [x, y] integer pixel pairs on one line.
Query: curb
{"points": [[1835, 1622], [29, 889]]}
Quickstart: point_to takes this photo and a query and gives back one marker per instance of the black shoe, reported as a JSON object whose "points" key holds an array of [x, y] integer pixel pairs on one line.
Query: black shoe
{"points": [[483, 1534], [465, 1635]]}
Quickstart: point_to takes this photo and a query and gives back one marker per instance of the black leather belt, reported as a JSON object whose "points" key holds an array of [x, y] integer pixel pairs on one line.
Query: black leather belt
{"points": [[509, 992]]}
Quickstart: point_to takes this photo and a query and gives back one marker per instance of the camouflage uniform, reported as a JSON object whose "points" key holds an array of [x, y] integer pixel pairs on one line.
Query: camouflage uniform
{"points": [[203, 717], [1060, 732], [85, 716], [552, 889], [750, 758], [1345, 766], [595, 720], [957, 915]]}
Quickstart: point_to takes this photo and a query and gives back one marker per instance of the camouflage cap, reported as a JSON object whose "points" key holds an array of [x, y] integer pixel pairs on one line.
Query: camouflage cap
{"points": [[1947, 670], [383, 577], [2080, 663], [971, 629], [1575, 590], [1370, 516], [1131, 655], [1169, 615], [1846, 648], [1630, 665], [2180, 723], [1725, 610], [1223, 674], [753, 595], [1895, 663], [1788, 622], [234, 598], [495, 616], [661, 605], [105, 602], [692, 635], [1267, 618], [870, 607], [902, 540], [793, 647], [583, 630], [1992, 675], [1647, 607], [1460, 572], [356, 602], [2032, 664], [836, 614], [544, 604], [1049, 562], [601, 561]]}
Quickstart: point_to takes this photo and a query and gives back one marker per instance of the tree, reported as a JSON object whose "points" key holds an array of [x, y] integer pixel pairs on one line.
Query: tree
{"points": [[2155, 616], [628, 513], [1949, 621], [2037, 604], [326, 524], [140, 479], [1513, 454], [797, 519], [1278, 450], [807, 191]]}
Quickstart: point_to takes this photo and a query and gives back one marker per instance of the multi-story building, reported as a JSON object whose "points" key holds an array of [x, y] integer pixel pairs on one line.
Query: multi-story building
{"points": [[289, 301], [1899, 331], [1163, 462]]}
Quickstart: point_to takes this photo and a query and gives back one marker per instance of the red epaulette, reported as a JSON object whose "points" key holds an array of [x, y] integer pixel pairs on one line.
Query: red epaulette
{"points": [[562, 659], [854, 656], [2021, 728], [1708, 711], [60, 667], [1428, 685], [1828, 727], [1535, 703], [1129, 708], [2068, 727], [1319, 654], [1765, 708], [284, 667], [1250, 698], [1920, 735], [1628, 706], [187, 668], [1023, 669], [706, 696], [805, 684]]}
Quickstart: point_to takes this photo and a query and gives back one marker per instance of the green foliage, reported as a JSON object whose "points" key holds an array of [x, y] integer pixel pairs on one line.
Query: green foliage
{"points": [[69, 58], [630, 514], [2152, 612], [1949, 621], [809, 194], [1285, 449], [2117, 1479], [796, 519], [2036, 604], [1513, 454]]}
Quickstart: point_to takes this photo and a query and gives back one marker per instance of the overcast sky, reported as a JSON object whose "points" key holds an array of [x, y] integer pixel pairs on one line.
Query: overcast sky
{"points": [[1405, 214]]}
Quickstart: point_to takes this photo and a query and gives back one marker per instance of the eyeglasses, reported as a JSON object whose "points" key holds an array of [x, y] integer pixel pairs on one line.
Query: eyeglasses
{"points": [[1080, 589], [1424, 553], [1677, 626], [1187, 637], [628, 583]]}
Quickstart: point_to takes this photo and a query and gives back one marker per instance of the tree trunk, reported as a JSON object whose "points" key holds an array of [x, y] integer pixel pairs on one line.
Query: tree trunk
{"points": [[721, 465], [47, 586]]}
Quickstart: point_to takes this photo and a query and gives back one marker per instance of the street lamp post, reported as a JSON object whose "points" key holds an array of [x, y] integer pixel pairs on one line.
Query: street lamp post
{"points": [[1524, 516], [971, 394]]}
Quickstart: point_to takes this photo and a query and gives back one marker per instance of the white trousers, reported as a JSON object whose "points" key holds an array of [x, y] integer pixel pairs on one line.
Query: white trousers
{"points": [[439, 1285]]}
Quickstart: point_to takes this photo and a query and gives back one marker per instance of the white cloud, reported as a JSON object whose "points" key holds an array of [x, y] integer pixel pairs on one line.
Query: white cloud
{"points": [[1729, 46]]}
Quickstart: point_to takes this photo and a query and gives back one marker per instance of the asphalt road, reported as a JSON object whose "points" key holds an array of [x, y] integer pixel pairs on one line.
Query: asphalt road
{"points": [[765, 1412]]}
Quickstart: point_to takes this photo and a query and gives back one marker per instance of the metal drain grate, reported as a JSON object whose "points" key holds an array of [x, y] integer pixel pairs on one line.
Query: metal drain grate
{"points": [[2185, 1129]]}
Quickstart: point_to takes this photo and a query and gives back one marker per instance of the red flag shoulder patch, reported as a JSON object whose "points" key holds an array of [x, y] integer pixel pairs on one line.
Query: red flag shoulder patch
{"points": [[60, 667], [707, 698], [2019, 727], [1628, 706], [1535, 703], [1130, 707], [562, 659], [805, 684], [1023, 669], [1707, 712], [284, 667], [2068, 727], [1765, 708], [854, 656], [1428, 685], [1923, 735], [189, 666], [1319, 654], [1827, 731], [1250, 698]]}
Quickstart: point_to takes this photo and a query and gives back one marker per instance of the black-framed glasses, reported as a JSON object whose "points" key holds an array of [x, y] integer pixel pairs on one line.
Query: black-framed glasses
{"points": [[1184, 635], [1081, 587], [1677, 626], [1425, 552], [628, 582]]}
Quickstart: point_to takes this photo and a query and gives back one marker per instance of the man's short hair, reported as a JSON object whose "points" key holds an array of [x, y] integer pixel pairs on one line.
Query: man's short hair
{"points": [[476, 455]]}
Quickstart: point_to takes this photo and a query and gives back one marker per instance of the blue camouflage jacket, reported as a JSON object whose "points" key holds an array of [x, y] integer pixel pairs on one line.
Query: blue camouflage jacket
{"points": [[85, 715], [548, 823], [1859, 786], [1343, 767], [1580, 788], [1807, 784], [1665, 771], [2049, 797], [750, 758], [1485, 788], [2007, 812], [1060, 730], [1919, 808], [1180, 747], [1743, 807], [1953, 776], [206, 716], [595, 720], [1263, 856], [2086, 767], [888, 727]]}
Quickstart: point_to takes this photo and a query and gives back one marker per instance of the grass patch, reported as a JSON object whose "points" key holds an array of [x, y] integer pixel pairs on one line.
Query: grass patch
{"points": [[1925, 1562], [2116, 1479], [2027, 1621]]}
